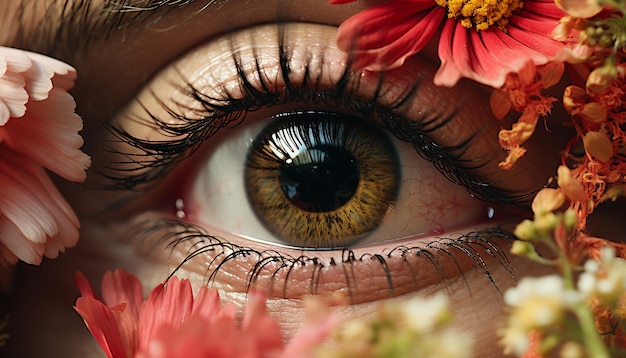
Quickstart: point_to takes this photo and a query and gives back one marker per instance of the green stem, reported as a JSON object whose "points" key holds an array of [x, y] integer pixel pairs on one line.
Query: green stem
{"points": [[566, 267], [590, 336], [568, 275]]}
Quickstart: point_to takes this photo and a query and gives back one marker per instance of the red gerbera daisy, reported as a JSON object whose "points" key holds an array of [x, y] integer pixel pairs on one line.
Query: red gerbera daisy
{"points": [[482, 40], [174, 323]]}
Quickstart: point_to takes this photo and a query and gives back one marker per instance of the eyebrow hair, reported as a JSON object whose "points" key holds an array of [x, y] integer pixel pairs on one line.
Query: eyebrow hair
{"points": [[67, 26]]}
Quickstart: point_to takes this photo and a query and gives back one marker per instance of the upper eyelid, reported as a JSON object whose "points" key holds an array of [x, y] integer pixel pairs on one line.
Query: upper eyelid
{"points": [[222, 110]]}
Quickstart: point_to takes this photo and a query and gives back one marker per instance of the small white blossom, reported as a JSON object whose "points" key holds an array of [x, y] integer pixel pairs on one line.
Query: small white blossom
{"points": [[537, 303], [572, 350], [605, 280], [451, 344], [515, 341], [424, 315], [550, 287], [419, 327]]}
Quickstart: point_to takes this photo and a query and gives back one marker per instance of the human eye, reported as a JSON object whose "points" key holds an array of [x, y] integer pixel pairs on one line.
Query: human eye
{"points": [[206, 142]]}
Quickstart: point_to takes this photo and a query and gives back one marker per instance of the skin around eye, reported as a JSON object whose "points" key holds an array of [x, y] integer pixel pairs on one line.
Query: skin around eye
{"points": [[218, 236]]}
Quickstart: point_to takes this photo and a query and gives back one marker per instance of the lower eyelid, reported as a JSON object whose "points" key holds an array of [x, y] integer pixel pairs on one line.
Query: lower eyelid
{"points": [[363, 275]]}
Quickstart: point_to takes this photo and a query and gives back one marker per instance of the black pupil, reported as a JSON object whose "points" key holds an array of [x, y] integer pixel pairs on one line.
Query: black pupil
{"points": [[320, 179]]}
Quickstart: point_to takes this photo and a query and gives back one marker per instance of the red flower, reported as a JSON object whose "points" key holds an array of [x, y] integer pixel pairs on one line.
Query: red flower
{"points": [[172, 323], [38, 131], [483, 41]]}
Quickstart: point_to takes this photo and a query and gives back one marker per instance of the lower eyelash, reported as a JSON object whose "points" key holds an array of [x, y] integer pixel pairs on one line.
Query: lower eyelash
{"points": [[172, 234]]}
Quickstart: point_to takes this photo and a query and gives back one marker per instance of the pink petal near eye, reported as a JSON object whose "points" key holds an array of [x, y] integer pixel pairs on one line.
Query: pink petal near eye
{"points": [[38, 131], [35, 220], [26, 75], [173, 323], [104, 321]]}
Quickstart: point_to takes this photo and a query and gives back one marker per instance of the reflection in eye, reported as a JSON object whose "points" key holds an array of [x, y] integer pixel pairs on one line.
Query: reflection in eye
{"points": [[317, 180], [215, 102]]}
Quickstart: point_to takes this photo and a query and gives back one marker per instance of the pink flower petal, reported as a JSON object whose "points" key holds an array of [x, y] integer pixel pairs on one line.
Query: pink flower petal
{"points": [[207, 304], [536, 36], [21, 201], [48, 134], [218, 335], [13, 93], [174, 324], [365, 26], [17, 246], [14, 97], [36, 219], [313, 334], [102, 323], [170, 303], [47, 73], [488, 56], [200, 338], [41, 217], [84, 287], [122, 288], [101, 320], [263, 329], [35, 86], [378, 50], [7, 257], [541, 9], [28, 76]]}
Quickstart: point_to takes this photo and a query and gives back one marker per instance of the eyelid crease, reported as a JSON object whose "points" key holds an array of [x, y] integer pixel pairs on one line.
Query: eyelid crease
{"points": [[211, 113]]}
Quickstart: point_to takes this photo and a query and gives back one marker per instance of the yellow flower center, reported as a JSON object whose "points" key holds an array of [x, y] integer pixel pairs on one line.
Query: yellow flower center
{"points": [[481, 14]]}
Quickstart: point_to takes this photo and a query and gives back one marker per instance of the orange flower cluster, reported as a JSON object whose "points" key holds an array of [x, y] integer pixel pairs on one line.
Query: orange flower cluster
{"points": [[522, 92]]}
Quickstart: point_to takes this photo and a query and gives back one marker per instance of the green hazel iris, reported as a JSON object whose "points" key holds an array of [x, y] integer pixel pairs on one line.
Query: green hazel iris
{"points": [[321, 180]]}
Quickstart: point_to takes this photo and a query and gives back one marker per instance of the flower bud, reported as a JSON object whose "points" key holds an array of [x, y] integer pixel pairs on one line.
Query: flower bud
{"points": [[593, 112], [570, 219], [562, 30], [551, 74], [600, 78], [572, 96], [500, 103], [525, 230], [546, 222], [598, 145], [579, 8], [547, 200], [570, 186]]}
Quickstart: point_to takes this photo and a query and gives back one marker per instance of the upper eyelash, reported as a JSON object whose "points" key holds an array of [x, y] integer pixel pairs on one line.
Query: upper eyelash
{"points": [[478, 246], [156, 157]]}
